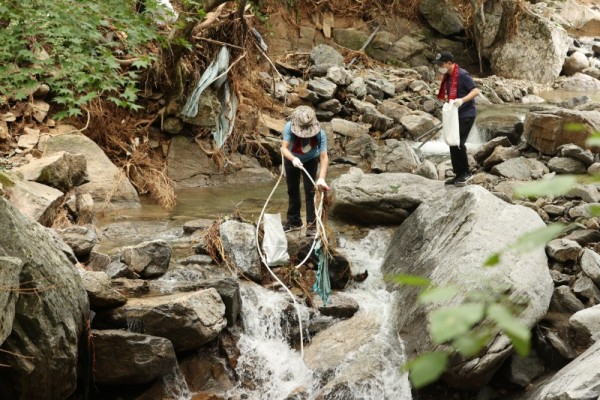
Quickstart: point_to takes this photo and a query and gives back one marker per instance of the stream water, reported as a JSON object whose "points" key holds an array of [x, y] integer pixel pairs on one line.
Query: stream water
{"points": [[267, 361]]}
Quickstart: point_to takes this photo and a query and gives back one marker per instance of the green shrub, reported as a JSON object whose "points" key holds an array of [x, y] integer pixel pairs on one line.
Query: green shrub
{"points": [[74, 46]]}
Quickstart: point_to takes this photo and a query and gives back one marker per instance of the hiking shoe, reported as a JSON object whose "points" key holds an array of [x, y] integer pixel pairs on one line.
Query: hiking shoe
{"points": [[292, 226], [311, 231], [450, 181], [463, 180]]}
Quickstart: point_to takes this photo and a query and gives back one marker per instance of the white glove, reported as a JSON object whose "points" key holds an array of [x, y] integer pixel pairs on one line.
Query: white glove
{"points": [[321, 183], [296, 162], [458, 102]]}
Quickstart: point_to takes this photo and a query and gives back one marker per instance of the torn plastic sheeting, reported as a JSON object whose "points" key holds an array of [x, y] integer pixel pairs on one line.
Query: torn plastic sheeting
{"points": [[274, 241], [261, 42], [216, 68], [322, 284], [226, 119]]}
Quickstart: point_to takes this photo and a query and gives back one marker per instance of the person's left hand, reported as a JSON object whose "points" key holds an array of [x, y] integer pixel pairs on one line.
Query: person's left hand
{"points": [[321, 183], [458, 102]]}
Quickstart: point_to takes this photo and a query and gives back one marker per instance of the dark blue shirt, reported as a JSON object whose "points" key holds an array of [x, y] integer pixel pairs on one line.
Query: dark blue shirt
{"points": [[465, 85]]}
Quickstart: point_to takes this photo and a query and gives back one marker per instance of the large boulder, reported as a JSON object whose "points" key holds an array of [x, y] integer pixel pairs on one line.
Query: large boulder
{"points": [[50, 312], [348, 355], [148, 259], [580, 379], [546, 131], [387, 198], [579, 19], [505, 35], [9, 279], [447, 239], [128, 358], [395, 156], [108, 185], [188, 320], [442, 16]]}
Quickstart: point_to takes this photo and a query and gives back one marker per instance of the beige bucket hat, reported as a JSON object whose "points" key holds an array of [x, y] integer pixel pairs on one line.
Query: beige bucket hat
{"points": [[304, 122]]}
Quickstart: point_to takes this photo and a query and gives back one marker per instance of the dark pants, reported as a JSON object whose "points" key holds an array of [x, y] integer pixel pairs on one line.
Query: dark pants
{"points": [[292, 176], [458, 154]]}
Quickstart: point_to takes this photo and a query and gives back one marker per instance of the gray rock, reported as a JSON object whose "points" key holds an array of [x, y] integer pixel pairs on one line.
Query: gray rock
{"points": [[578, 380], [339, 76], [565, 301], [583, 210], [587, 193], [590, 265], [577, 153], [324, 88], [438, 242], [520, 168], [585, 287], [324, 54], [584, 236], [358, 87], [494, 126], [395, 156], [148, 259], [427, 169], [382, 198], [565, 165], [378, 121], [100, 292], [199, 259], [554, 210], [419, 123], [80, 238], [190, 227], [128, 358], [48, 323], [339, 306], [62, 171], [547, 130], [486, 149], [442, 16], [350, 38], [39, 202], [239, 245], [576, 62], [543, 41], [585, 326], [188, 320], [563, 249], [334, 106], [107, 183], [500, 155], [9, 278], [363, 146], [523, 370], [348, 128], [394, 110]]}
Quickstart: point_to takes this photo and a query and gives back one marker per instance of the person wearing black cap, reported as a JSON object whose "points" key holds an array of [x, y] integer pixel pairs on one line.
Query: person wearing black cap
{"points": [[458, 85], [304, 146]]}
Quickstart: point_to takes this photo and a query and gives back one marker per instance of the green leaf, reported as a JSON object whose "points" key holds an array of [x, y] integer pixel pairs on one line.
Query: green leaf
{"points": [[426, 368], [410, 280], [518, 333], [594, 210], [447, 323], [556, 186], [537, 238], [492, 260], [470, 343], [574, 127], [438, 294], [593, 140]]}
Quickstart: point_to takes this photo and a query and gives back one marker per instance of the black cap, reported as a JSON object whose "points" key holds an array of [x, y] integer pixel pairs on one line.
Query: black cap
{"points": [[443, 56]]}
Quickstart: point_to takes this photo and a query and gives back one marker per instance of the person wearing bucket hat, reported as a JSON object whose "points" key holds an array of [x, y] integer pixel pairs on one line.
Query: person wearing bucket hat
{"points": [[304, 145], [458, 85]]}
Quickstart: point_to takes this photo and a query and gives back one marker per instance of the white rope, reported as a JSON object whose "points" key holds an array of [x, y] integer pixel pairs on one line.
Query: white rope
{"points": [[319, 224]]}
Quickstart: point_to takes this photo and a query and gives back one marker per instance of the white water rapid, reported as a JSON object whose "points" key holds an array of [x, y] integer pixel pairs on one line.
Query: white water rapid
{"points": [[270, 370]]}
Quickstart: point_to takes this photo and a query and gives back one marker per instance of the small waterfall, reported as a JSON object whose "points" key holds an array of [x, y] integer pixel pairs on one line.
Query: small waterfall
{"points": [[390, 383], [134, 325], [268, 368]]}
